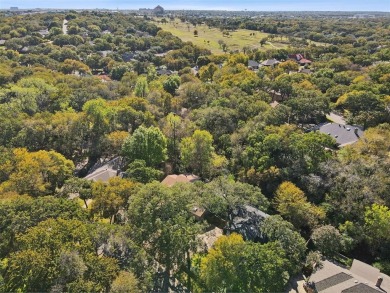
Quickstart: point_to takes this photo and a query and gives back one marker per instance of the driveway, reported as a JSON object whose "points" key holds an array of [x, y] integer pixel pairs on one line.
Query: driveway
{"points": [[336, 118]]}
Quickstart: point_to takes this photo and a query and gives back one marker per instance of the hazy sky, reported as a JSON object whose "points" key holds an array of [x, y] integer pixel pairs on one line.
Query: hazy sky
{"points": [[259, 5]]}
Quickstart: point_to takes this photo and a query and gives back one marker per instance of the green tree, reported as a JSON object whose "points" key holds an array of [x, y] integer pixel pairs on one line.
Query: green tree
{"points": [[328, 240], [292, 204], [23, 212], [222, 195], [126, 282], [147, 144], [141, 87], [377, 224], [80, 186], [365, 108], [138, 171], [161, 222], [233, 265], [58, 254], [37, 173], [109, 197], [276, 229], [197, 152], [263, 41], [171, 84]]}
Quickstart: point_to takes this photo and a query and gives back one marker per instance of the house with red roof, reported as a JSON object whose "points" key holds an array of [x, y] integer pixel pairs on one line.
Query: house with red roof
{"points": [[300, 59]]}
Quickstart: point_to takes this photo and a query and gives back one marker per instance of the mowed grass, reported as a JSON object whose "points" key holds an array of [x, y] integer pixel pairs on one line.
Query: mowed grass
{"points": [[208, 38]]}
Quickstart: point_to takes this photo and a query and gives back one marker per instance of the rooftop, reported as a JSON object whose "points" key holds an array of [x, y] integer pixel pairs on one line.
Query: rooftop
{"points": [[253, 63], [170, 180], [344, 134], [270, 62], [360, 278]]}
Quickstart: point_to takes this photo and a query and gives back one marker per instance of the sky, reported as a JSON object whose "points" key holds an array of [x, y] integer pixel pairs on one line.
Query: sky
{"points": [[258, 5]]}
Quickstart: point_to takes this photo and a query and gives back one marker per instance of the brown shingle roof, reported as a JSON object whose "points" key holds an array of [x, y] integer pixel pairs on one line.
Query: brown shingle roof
{"points": [[170, 180]]}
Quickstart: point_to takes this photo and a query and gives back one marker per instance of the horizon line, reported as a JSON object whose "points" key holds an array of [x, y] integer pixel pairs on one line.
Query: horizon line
{"points": [[187, 9]]}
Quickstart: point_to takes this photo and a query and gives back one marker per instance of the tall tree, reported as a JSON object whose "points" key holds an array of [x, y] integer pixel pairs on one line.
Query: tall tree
{"points": [[148, 144], [197, 152], [161, 222], [292, 204], [276, 229], [141, 87], [233, 265]]}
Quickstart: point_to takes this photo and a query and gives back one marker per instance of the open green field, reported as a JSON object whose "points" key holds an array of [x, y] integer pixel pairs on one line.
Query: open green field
{"points": [[208, 38]]}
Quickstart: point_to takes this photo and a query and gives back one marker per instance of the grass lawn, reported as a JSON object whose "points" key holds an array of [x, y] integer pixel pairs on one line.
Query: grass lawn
{"points": [[208, 38]]}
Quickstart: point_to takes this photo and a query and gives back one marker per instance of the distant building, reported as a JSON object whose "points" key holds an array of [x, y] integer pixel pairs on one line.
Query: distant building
{"points": [[44, 33], [2, 42], [164, 72], [253, 65], [360, 278], [300, 59], [158, 10], [14, 8], [270, 62]]}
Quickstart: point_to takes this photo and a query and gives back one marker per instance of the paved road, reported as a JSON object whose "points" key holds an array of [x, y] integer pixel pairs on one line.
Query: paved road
{"points": [[65, 27], [336, 118]]}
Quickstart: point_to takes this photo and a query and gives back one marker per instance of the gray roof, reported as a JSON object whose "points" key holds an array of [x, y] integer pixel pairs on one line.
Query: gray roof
{"points": [[164, 72], [360, 288], [246, 221], [102, 175], [332, 278], [270, 62], [103, 171], [253, 63], [332, 281], [344, 134], [2, 42]]}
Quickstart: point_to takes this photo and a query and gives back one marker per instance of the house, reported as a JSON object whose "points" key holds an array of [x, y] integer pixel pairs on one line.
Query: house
{"points": [[2, 42], [360, 278], [304, 62], [44, 33], [270, 62], [253, 65], [300, 59], [171, 180], [102, 174], [103, 171], [164, 72], [104, 77], [129, 56], [275, 95], [246, 221], [343, 134], [274, 104]]}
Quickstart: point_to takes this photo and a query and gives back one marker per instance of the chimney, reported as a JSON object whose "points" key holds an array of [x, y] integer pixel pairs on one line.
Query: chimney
{"points": [[379, 282]]}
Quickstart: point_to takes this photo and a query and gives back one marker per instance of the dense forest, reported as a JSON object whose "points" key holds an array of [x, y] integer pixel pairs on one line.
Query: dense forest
{"points": [[80, 89]]}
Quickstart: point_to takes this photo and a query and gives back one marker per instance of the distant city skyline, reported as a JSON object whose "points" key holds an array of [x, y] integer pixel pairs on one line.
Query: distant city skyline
{"points": [[250, 5]]}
